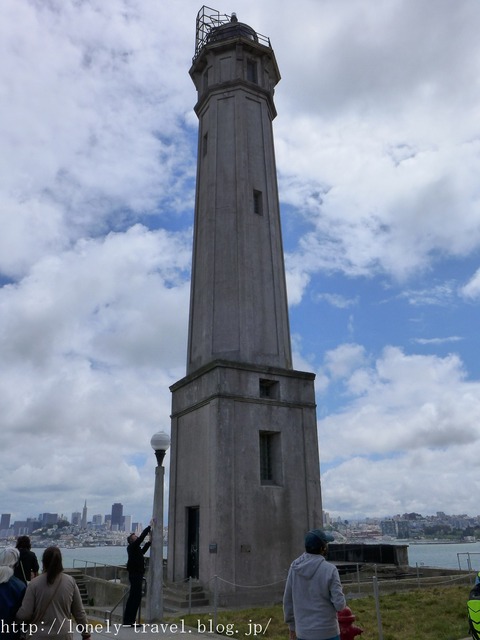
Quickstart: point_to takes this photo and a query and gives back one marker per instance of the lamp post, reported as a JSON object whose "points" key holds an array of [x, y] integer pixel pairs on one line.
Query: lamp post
{"points": [[154, 606]]}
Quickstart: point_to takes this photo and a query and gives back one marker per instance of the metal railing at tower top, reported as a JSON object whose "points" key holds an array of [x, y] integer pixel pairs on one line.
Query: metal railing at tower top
{"points": [[209, 19]]}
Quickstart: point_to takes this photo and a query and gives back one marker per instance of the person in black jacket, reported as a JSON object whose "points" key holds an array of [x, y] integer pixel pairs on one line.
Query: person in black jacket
{"points": [[136, 571], [27, 566]]}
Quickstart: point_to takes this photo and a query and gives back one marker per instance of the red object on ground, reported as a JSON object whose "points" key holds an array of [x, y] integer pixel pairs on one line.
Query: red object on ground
{"points": [[348, 630]]}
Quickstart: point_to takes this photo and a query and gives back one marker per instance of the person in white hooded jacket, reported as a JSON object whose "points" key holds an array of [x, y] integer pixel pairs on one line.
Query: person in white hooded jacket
{"points": [[313, 592], [12, 591]]}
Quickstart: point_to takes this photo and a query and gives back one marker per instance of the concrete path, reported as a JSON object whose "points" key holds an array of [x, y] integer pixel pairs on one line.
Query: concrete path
{"points": [[167, 631], [164, 631]]}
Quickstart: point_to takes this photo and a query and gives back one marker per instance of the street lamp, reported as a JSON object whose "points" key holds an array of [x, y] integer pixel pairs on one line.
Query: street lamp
{"points": [[154, 610]]}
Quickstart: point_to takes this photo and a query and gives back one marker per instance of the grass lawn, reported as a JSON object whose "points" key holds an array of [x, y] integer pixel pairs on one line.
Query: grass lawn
{"points": [[436, 614]]}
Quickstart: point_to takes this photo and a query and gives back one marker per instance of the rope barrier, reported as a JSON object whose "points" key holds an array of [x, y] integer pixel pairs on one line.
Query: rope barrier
{"points": [[365, 587], [246, 586]]}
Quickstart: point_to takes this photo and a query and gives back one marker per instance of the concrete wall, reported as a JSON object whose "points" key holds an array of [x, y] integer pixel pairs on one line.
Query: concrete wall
{"points": [[249, 531], [368, 553], [103, 593], [107, 572], [238, 308], [241, 407]]}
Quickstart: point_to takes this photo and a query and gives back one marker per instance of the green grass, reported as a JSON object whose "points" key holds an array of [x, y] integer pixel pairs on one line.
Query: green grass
{"points": [[436, 614]]}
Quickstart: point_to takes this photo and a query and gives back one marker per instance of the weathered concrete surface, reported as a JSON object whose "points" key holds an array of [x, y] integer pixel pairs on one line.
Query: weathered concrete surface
{"points": [[245, 476]]}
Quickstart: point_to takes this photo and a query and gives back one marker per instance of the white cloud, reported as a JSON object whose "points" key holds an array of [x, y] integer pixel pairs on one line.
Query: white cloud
{"points": [[342, 361], [400, 484], [90, 126], [99, 298], [438, 294], [297, 281], [337, 300], [413, 419], [93, 338], [378, 155], [437, 340], [471, 290]]}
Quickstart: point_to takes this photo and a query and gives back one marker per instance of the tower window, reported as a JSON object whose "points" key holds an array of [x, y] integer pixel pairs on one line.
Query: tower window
{"points": [[257, 202], [205, 144], [252, 75], [268, 389], [270, 458]]}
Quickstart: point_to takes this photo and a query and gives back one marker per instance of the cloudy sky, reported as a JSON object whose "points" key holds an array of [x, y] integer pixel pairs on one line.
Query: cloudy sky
{"points": [[378, 157]]}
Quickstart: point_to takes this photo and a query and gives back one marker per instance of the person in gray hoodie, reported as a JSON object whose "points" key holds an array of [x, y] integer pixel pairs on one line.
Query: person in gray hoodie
{"points": [[313, 592]]}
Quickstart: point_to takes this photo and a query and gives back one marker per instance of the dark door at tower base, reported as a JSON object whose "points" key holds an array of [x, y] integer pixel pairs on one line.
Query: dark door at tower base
{"points": [[193, 526]]}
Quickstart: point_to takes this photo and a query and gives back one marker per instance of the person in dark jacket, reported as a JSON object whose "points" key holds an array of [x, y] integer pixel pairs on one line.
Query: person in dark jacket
{"points": [[27, 566], [136, 571]]}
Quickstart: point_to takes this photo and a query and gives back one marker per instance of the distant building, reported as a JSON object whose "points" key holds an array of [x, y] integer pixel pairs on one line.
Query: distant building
{"points": [[117, 516], [396, 528], [403, 528], [76, 518], [21, 528], [388, 528], [84, 516], [127, 523], [34, 524], [5, 521], [97, 519], [47, 519]]}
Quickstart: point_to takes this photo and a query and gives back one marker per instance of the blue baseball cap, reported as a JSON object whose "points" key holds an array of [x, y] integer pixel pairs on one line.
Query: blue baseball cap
{"points": [[316, 540]]}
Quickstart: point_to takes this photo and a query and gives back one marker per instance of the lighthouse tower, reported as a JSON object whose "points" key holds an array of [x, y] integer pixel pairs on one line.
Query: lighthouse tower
{"points": [[245, 476]]}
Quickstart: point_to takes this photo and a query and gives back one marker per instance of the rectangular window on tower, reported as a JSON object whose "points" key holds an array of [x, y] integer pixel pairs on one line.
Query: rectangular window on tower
{"points": [[269, 389], [252, 75], [270, 458], [257, 202], [205, 79], [205, 145]]}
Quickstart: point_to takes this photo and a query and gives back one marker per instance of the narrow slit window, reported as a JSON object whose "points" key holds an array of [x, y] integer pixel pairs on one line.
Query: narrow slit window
{"points": [[257, 202], [266, 458], [205, 145], [270, 458], [252, 75]]}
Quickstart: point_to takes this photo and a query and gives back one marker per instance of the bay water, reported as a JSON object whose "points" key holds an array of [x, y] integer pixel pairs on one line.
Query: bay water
{"points": [[465, 555], [444, 555], [82, 557]]}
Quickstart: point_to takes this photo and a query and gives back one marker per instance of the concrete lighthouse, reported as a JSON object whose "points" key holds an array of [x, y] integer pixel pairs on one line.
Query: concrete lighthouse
{"points": [[245, 475]]}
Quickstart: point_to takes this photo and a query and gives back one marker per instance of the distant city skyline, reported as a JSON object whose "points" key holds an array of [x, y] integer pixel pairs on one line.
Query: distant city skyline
{"points": [[115, 518], [327, 517], [410, 525]]}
